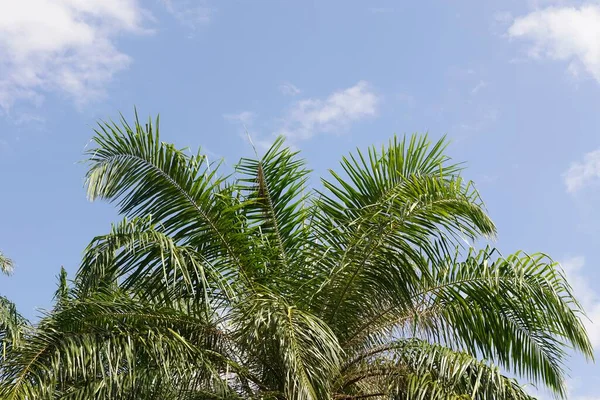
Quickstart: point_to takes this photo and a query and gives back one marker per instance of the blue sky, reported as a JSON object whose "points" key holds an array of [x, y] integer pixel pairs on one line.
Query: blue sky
{"points": [[514, 84]]}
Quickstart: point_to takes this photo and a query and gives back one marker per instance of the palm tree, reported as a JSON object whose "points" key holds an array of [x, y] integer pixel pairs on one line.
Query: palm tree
{"points": [[253, 286]]}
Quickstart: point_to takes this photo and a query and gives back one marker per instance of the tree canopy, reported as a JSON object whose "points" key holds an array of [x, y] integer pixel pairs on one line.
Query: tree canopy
{"points": [[256, 286]]}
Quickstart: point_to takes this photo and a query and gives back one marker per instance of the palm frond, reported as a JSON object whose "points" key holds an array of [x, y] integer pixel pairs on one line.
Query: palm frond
{"points": [[6, 264]]}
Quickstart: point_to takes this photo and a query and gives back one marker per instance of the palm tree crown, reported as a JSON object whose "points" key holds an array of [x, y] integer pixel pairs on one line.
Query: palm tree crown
{"points": [[255, 286]]}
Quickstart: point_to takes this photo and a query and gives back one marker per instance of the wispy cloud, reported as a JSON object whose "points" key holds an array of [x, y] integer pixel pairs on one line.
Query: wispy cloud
{"points": [[587, 296], [583, 173], [305, 118], [289, 89], [334, 114], [66, 46], [244, 117], [190, 13], [563, 33], [480, 85], [25, 118], [481, 120]]}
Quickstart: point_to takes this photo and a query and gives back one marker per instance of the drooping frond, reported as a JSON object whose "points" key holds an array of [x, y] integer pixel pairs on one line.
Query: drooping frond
{"points": [[415, 369], [518, 311], [524, 300], [105, 344]]}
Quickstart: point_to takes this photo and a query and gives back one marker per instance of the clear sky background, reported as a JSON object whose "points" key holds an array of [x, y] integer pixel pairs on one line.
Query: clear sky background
{"points": [[515, 85]]}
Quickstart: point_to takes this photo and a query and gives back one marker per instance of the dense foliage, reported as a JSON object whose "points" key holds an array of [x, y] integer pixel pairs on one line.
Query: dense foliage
{"points": [[255, 286]]}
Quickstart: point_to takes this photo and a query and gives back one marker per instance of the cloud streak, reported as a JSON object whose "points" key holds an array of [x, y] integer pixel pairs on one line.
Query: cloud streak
{"points": [[289, 89], [244, 117], [66, 46], [481, 85]]}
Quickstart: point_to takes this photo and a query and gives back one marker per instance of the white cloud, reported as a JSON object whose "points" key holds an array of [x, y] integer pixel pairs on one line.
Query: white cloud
{"points": [[564, 33], [189, 12], [334, 114], [584, 173], [289, 89], [62, 45], [587, 296]]}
